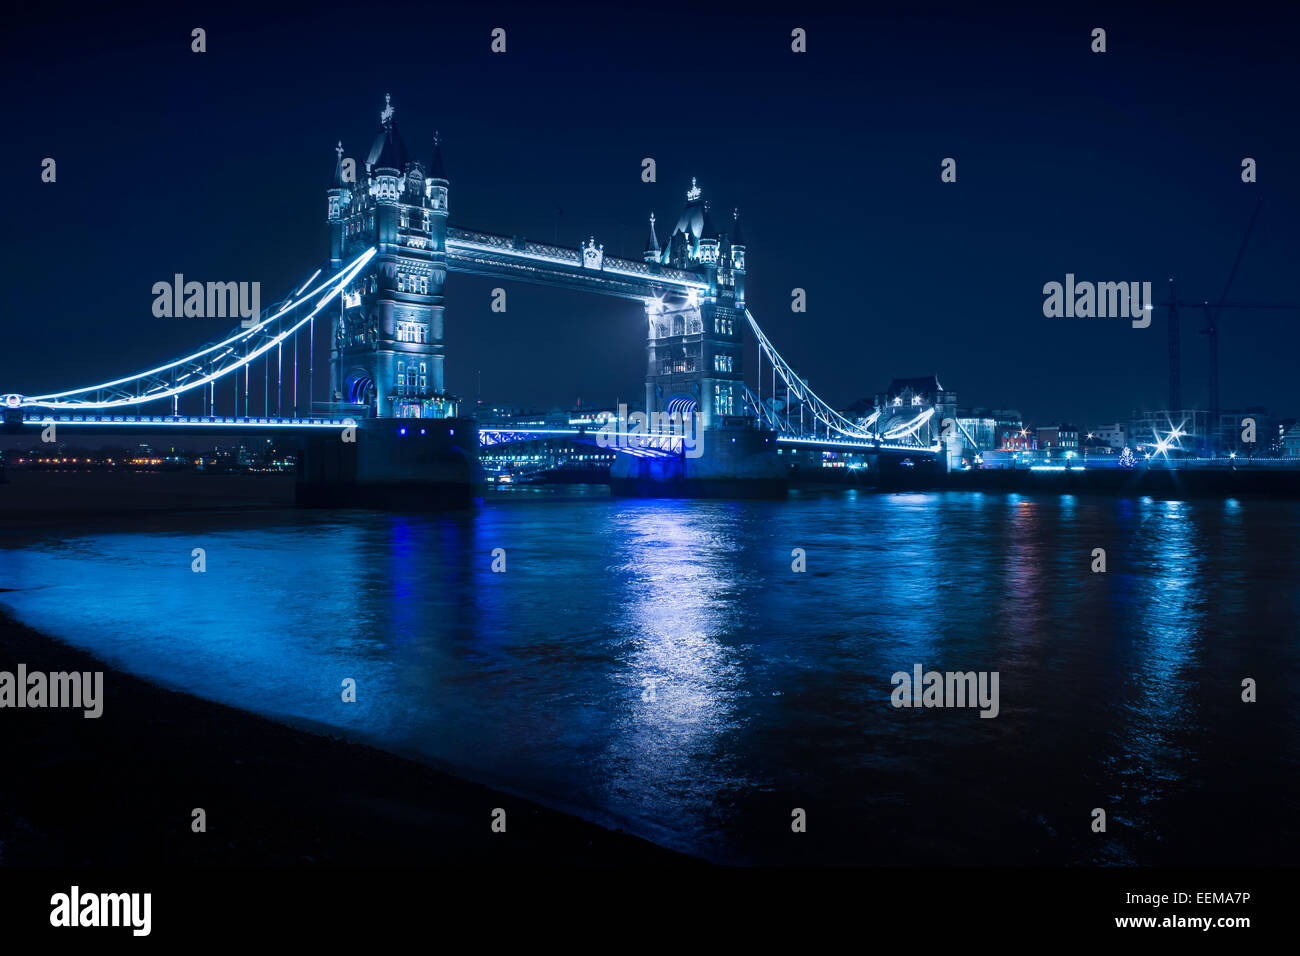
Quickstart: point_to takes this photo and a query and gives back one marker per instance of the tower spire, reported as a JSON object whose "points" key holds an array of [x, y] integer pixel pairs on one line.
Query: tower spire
{"points": [[337, 182], [436, 170], [651, 251]]}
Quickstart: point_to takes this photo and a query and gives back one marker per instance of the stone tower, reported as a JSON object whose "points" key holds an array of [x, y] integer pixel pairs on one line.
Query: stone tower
{"points": [[387, 348], [695, 353]]}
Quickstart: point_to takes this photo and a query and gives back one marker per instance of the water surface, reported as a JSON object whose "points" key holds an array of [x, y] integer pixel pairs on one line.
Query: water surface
{"points": [[657, 665]]}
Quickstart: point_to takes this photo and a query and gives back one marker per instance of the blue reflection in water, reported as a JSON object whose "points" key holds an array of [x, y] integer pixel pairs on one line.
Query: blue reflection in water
{"points": [[660, 666]]}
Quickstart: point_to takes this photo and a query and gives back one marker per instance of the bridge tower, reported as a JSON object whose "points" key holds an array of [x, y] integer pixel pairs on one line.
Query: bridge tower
{"points": [[388, 334], [386, 361], [695, 366], [694, 350]]}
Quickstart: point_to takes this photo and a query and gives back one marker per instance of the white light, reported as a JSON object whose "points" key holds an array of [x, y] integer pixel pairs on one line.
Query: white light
{"points": [[334, 285], [308, 282]]}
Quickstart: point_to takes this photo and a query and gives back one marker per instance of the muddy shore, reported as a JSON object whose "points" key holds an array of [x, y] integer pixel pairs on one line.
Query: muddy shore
{"points": [[120, 790]]}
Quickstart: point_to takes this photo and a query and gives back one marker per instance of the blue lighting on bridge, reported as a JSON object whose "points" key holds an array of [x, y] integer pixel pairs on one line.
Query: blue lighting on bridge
{"points": [[152, 386], [130, 421]]}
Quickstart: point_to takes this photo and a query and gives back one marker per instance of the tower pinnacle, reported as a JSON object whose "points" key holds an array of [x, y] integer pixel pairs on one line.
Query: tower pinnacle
{"points": [[651, 251]]}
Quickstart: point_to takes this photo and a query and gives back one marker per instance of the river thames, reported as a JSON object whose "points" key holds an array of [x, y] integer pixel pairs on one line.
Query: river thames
{"points": [[658, 666]]}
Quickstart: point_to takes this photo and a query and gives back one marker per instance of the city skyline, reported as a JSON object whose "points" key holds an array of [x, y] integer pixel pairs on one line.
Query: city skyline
{"points": [[904, 274]]}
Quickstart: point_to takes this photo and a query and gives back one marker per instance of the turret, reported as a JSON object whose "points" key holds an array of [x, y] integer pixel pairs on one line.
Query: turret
{"points": [[738, 258], [652, 251], [435, 186], [337, 197], [708, 246], [386, 164]]}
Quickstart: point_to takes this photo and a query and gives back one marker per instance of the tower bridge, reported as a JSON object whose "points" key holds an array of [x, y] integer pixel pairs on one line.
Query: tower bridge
{"points": [[378, 301]]}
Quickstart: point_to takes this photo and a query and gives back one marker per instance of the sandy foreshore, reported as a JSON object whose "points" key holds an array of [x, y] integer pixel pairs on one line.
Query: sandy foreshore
{"points": [[120, 790]]}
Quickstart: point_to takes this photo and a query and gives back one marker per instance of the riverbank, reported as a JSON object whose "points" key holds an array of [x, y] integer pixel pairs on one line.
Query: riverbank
{"points": [[38, 496], [1163, 483], [120, 790]]}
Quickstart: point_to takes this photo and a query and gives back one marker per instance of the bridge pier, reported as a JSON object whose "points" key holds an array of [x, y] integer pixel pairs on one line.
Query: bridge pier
{"points": [[402, 464], [735, 463]]}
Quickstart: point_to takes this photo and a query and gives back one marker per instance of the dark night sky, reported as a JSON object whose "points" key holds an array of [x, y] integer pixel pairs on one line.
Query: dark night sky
{"points": [[1123, 166]]}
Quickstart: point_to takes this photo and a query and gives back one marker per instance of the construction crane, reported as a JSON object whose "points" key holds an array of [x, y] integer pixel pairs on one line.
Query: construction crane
{"points": [[1211, 330]]}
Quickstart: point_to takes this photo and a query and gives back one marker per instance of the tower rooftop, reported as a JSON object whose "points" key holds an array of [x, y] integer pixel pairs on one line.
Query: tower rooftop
{"points": [[388, 151]]}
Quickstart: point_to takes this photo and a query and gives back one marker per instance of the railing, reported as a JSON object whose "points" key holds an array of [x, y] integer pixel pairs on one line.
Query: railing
{"points": [[32, 418], [511, 245]]}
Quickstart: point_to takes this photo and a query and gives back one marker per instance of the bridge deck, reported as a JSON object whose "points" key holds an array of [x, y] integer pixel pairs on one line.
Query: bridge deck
{"points": [[488, 254], [76, 423]]}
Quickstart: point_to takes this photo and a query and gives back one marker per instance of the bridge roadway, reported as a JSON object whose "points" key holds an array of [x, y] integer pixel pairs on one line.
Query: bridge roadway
{"points": [[169, 425], [489, 435]]}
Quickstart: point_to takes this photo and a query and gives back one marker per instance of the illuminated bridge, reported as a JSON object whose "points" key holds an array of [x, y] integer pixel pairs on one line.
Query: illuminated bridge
{"points": [[376, 307]]}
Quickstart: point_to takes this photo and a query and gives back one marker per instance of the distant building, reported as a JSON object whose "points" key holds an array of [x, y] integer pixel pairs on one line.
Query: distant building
{"points": [[1235, 426], [1093, 444], [1017, 438], [1064, 437], [977, 430], [983, 429], [1115, 435], [1146, 429], [1008, 418], [1291, 441]]}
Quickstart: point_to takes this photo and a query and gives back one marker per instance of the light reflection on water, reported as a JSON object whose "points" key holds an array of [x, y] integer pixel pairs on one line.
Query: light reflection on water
{"points": [[659, 666]]}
